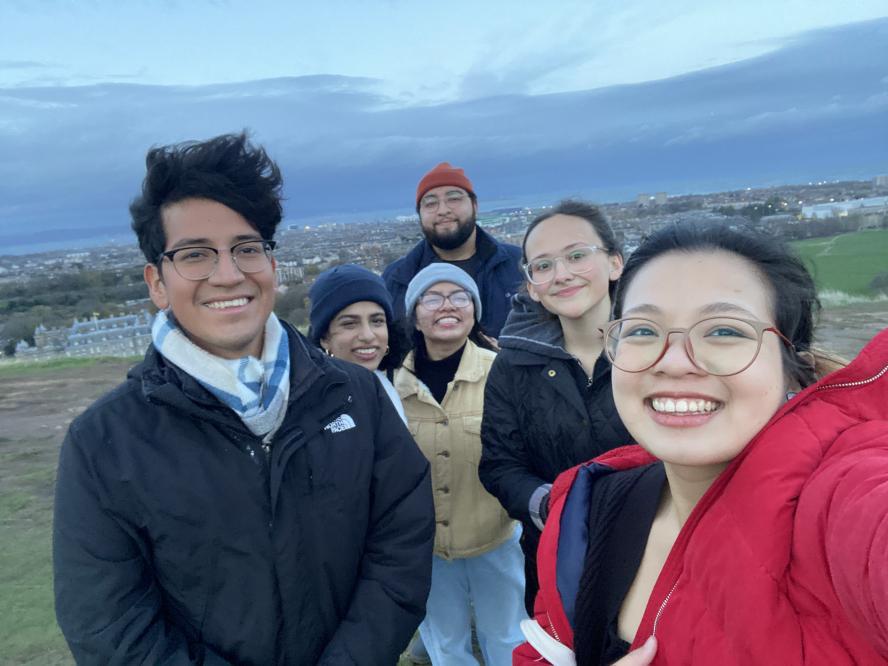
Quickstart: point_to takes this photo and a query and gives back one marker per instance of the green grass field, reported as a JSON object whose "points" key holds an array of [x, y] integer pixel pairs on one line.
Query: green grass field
{"points": [[51, 366], [28, 631], [847, 262], [37, 400]]}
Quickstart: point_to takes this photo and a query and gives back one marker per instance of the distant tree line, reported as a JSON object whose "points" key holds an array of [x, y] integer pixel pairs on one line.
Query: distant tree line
{"points": [[775, 205]]}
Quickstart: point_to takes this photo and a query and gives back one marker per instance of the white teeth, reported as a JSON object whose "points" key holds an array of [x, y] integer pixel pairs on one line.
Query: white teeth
{"points": [[369, 350], [683, 406], [233, 303], [448, 320]]}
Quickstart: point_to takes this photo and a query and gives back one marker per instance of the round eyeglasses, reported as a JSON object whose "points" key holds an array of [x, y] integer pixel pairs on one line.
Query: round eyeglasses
{"points": [[720, 346], [451, 200], [199, 262], [578, 260], [435, 301]]}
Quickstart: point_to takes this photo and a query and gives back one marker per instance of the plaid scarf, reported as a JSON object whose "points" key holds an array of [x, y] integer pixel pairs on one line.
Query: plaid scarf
{"points": [[255, 389]]}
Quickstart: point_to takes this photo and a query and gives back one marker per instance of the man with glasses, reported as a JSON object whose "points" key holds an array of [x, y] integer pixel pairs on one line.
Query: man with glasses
{"points": [[241, 498], [447, 208]]}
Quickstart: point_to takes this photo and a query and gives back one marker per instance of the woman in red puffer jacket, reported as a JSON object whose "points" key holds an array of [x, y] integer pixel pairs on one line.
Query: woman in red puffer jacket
{"points": [[751, 524]]}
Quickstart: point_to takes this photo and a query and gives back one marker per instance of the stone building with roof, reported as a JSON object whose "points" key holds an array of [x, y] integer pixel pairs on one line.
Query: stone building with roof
{"points": [[123, 335]]}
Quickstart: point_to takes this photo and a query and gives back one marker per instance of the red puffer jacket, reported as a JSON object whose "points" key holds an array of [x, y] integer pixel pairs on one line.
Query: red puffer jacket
{"points": [[785, 558]]}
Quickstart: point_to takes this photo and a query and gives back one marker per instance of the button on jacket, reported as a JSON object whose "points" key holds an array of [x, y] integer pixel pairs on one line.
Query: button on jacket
{"points": [[177, 539], [470, 521]]}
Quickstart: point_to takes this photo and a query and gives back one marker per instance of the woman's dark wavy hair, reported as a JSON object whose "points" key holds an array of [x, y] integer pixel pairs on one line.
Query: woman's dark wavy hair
{"points": [[227, 169], [586, 211], [795, 301], [399, 346]]}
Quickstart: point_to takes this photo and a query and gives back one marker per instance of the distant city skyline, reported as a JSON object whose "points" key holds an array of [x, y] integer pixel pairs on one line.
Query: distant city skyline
{"points": [[600, 101]]}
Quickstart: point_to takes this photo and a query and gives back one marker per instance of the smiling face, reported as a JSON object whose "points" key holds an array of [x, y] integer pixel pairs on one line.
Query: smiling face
{"points": [[449, 324], [224, 314], [358, 333], [676, 411], [566, 294], [452, 222]]}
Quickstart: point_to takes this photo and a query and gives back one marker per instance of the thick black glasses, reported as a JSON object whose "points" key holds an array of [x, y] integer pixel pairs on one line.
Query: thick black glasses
{"points": [[720, 346], [199, 263]]}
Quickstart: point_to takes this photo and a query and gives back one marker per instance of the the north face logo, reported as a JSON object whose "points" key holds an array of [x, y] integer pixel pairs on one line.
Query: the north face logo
{"points": [[340, 423]]}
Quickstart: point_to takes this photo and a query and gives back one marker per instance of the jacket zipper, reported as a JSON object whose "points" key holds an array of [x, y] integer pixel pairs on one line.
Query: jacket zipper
{"points": [[841, 385], [662, 608], [861, 382], [552, 627]]}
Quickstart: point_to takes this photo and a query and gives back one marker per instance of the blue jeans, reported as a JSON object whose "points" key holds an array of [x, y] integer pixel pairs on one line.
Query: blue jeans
{"points": [[492, 585]]}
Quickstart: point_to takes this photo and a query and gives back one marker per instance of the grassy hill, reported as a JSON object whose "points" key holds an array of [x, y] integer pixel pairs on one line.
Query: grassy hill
{"points": [[848, 262]]}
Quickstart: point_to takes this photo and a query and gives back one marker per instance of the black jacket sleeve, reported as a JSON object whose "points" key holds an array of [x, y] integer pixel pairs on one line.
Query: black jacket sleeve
{"points": [[389, 600], [397, 290], [107, 602], [505, 468]]}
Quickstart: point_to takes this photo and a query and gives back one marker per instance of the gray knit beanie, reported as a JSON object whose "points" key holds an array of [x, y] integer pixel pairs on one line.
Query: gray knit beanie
{"points": [[440, 272]]}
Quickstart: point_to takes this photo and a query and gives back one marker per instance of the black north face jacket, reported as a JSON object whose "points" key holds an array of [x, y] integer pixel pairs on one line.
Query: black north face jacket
{"points": [[177, 539], [542, 416]]}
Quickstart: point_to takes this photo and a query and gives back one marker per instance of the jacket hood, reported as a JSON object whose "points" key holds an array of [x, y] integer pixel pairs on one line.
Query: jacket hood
{"points": [[530, 327]]}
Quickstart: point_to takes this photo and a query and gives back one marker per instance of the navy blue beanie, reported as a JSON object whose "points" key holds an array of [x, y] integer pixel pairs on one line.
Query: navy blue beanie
{"points": [[339, 287]]}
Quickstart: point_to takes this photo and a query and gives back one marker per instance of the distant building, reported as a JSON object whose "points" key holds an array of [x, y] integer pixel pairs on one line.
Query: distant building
{"points": [[125, 335], [660, 198], [289, 272], [880, 181], [824, 211]]}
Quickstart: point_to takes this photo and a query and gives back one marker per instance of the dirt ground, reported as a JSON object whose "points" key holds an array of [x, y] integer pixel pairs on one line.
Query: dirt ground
{"points": [[40, 403], [845, 330]]}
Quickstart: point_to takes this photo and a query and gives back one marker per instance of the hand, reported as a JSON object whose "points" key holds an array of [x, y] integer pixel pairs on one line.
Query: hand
{"points": [[640, 657]]}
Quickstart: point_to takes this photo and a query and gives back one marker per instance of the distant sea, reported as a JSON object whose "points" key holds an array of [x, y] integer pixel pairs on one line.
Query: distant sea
{"points": [[53, 240]]}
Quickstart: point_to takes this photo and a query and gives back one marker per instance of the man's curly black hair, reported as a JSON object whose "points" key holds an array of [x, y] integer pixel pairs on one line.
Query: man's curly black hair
{"points": [[227, 169]]}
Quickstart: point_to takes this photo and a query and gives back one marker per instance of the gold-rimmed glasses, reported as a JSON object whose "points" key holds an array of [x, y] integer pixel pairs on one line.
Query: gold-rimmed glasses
{"points": [[720, 346]]}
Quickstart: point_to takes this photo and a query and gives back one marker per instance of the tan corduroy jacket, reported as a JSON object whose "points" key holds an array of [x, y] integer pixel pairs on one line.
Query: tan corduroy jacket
{"points": [[470, 521]]}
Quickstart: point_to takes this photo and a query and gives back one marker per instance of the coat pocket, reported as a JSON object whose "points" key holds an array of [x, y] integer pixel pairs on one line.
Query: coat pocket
{"points": [[472, 430]]}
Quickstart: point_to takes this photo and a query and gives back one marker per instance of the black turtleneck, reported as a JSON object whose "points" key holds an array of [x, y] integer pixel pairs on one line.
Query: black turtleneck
{"points": [[436, 374]]}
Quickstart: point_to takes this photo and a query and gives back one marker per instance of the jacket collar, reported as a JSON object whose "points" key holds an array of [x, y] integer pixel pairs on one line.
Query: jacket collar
{"points": [[311, 374], [531, 328], [423, 254], [471, 369]]}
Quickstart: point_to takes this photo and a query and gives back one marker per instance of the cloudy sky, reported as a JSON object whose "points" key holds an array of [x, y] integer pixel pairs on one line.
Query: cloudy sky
{"points": [[357, 99]]}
